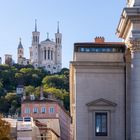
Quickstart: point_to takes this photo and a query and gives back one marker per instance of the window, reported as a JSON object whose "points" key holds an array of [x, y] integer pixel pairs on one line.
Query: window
{"points": [[48, 54], [35, 110], [27, 110], [43, 110], [101, 123], [44, 54], [19, 119], [82, 49], [51, 55], [100, 49], [27, 119], [51, 110]]}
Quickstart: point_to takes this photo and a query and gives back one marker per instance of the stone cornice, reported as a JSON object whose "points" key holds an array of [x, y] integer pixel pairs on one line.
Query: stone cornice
{"points": [[134, 44], [92, 64], [128, 16]]}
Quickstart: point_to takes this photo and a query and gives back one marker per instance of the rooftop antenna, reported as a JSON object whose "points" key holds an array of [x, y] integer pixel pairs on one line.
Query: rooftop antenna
{"points": [[58, 27], [47, 35], [35, 25]]}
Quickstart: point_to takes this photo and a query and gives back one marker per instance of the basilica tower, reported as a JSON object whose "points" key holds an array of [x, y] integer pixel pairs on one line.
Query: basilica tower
{"points": [[129, 30], [35, 46], [20, 52], [58, 55]]}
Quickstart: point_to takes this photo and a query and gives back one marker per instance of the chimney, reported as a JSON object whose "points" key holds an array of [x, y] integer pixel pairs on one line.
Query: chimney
{"points": [[99, 39]]}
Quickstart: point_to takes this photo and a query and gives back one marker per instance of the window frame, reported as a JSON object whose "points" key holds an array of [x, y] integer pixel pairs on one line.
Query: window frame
{"points": [[51, 110], [101, 114], [43, 110], [35, 110], [27, 110]]}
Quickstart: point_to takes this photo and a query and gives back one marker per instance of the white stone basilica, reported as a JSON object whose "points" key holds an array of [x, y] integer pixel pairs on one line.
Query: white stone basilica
{"points": [[46, 54]]}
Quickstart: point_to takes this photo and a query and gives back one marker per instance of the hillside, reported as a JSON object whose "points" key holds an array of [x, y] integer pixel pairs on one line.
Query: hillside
{"points": [[32, 80]]}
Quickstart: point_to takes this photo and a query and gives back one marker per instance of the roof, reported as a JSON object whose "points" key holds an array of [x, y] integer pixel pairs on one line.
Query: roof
{"points": [[40, 101], [20, 45], [103, 44], [51, 124], [47, 39], [20, 86]]}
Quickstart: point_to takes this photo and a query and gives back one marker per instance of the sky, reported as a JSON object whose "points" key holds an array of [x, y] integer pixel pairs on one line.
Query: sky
{"points": [[79, 20]]}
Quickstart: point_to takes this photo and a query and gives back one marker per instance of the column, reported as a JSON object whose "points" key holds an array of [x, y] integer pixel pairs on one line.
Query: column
{"points": [[135, 88]]}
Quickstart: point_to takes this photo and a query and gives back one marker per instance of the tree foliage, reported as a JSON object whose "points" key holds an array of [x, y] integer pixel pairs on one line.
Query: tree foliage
{"points": [[33, 80], [57, 81], [4, 129]]}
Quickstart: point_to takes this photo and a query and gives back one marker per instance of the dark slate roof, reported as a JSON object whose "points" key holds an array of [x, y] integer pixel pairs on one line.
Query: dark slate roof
{"points": [[47, 39], [20, 45]]}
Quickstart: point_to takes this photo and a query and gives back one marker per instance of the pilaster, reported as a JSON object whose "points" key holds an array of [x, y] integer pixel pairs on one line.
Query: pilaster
{"points": [[135, 88]]}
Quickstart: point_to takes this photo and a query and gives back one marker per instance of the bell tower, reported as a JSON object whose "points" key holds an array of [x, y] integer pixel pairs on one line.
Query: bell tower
{"points": [[58, 55], [20, 52], [35, 46]]}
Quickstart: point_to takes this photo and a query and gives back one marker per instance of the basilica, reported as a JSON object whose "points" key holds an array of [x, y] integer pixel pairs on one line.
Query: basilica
{"points": [[46, 53]]}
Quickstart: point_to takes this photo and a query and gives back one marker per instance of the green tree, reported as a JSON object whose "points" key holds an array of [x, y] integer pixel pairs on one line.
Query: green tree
{"points": [[4, 105], [29, 90], [56, 81], [10, 97], [1, 89], [59, 94], [13, 102]]}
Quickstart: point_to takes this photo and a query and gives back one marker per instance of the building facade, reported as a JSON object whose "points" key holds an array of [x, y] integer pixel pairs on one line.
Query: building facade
{"points": [[47, 53], [97, 90], [48, 111], [105, 83], [8, 59], [20, 90]]}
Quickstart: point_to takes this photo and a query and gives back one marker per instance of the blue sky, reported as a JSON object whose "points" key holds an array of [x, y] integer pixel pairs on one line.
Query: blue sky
{"points": [[80, 21]]}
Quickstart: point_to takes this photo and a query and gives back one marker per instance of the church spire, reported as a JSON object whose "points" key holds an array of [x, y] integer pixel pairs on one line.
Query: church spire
{"points": [[20, 44], [20, 40], [35, 25], [58, 27]]}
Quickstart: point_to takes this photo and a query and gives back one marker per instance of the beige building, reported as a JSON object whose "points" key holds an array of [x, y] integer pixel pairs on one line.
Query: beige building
{"points": [[105, 83], [97, 90], [25, 128]]}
